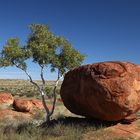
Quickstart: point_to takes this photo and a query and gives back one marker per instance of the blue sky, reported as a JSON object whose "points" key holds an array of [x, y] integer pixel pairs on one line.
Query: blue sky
{"points": [[102, 29]]}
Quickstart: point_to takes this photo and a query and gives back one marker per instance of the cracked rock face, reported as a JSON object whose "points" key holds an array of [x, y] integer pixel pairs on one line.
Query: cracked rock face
{"points": [[106, 90]]}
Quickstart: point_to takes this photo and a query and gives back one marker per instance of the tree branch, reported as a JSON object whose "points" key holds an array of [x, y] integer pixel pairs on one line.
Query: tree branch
{"points": [[42, 76], [40, 90], [30, 78]]}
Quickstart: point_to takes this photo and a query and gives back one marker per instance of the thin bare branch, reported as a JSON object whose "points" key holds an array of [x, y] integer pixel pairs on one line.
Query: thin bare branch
{"points": [[30, 78], [42, 75], [40, 90]]}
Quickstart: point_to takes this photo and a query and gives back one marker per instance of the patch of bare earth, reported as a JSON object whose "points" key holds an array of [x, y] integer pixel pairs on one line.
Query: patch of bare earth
{"points": [[11, 114]]}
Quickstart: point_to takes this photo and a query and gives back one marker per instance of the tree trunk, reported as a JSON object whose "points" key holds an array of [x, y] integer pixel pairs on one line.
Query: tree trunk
{"points": [[54, 100], [54, 95], [41, 91], [45, 106], [48, 118]]}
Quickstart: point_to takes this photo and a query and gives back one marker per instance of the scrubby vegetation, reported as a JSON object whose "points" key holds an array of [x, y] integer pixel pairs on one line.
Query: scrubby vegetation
{"points": [[30, 131], [25, 88], [60, 129]]}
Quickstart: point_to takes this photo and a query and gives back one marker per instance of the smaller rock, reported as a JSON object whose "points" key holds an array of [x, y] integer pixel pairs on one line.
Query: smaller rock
{"points": [[6, 99], [37, 104], [22, 105], [28, 105]]}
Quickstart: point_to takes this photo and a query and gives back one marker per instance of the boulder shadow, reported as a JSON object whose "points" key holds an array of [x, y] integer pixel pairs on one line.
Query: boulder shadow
{"points": [[82, 122]]}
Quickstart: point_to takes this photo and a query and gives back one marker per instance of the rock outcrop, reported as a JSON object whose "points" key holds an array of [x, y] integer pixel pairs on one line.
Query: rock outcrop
{"points": [[107, 90], [6, 99], [126, 131]]}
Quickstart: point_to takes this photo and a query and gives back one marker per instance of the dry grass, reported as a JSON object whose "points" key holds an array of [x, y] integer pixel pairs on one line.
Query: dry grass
{"points": [[63, 128], [57, 130]]}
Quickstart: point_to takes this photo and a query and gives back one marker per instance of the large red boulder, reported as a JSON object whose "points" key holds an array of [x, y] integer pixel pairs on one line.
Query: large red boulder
{"points": [[107, 90]]}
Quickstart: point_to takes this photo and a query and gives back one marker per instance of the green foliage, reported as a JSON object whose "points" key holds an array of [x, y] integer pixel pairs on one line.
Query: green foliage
{"points": [[13, 54], [42, 44], [68, 57], [42, 47]]}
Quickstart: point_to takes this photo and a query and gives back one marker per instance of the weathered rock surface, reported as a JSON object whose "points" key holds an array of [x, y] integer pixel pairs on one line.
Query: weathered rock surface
{"points": [[128, 130], [6, 99], [118, 131], [107, 90], [27, 105]]}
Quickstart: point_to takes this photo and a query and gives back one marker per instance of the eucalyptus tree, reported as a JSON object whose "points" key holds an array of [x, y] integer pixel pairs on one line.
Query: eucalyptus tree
{"points": [[46, 50]]}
